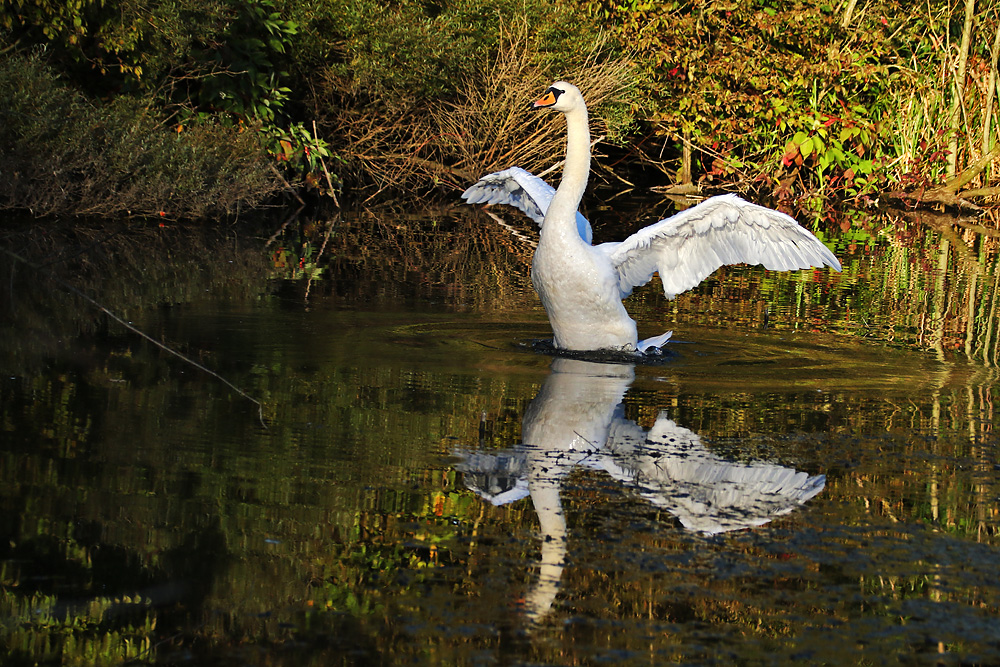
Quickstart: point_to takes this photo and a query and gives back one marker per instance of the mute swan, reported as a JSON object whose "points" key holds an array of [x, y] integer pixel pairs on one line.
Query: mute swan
{"points": [[582, 286]]}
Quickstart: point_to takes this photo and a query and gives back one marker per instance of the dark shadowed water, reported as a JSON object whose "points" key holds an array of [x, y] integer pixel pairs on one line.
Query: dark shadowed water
{"points": [[812, 474]]}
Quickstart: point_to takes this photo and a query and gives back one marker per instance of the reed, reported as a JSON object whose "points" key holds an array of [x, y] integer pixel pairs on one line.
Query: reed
{"points": [[959, 66], [991, 129], [971, 82], [940, 118]]}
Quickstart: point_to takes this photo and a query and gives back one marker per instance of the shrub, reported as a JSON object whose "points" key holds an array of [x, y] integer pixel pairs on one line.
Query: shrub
{"points": [[811, 95], [64, 155], [416, 98]]}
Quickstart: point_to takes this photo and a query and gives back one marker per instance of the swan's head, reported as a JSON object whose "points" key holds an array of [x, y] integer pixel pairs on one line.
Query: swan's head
{"points": [[560, 96]]}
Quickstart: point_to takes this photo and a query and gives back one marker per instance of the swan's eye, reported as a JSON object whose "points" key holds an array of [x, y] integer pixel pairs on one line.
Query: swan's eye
{"points": [[556, 92]]}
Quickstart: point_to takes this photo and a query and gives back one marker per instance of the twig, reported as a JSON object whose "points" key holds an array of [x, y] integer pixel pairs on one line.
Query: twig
{"points": [[294, 191], [278, 232], [329, 181], [958, 182], [322, 249], [142, 334], [560, 163]]}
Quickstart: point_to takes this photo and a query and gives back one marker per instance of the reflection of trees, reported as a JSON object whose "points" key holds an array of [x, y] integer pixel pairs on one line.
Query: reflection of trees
{"points": [[130, 269], [117, 466], [434, 257], [924, 284], [346, 502]]}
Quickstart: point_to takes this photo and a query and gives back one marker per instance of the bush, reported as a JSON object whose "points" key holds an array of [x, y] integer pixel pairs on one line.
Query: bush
{"points": [[62, 154], [811, 95], [414, 98]]}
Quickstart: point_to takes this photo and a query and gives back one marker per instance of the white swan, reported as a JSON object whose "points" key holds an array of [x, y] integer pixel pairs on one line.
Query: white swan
{"points": [[582, 286]]}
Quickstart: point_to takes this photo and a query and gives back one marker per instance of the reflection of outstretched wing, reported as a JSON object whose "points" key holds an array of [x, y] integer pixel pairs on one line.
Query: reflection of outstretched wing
{"points": [[669, 466], [500, 478], [524, 191], [708, 494]]}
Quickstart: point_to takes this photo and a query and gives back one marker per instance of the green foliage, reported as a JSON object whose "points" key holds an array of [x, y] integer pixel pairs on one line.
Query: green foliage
{"points": [[394, 53], [213, 54], [359, 70], [837, 149], [63, 155], [204, 62], [799, 95], [112, 46], [245, 61]]}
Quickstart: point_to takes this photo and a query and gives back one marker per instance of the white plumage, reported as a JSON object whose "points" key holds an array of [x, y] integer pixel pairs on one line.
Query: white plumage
{"points": [[582, 285]]}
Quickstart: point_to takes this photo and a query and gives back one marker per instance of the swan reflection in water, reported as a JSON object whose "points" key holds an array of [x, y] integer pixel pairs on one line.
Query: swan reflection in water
{"points": [[577, 419]]}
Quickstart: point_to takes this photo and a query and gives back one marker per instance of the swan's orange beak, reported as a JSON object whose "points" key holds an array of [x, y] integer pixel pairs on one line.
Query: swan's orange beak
{"points": [[546, 100]]}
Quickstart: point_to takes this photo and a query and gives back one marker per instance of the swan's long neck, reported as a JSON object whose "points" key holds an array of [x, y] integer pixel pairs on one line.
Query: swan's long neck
{"points": [[561, 214]]}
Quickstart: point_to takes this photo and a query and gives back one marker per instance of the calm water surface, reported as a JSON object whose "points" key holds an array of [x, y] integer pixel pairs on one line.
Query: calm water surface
{"points": [[811, 475]]}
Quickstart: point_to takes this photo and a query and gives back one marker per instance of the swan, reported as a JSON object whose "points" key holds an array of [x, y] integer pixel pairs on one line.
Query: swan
{"points": [[581, 285]]}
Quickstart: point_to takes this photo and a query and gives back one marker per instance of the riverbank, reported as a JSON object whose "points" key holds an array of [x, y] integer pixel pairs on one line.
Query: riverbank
{"points": [[359, 103]]}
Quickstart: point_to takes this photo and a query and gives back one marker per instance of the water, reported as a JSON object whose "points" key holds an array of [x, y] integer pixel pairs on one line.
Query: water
{"points": [[812, 475]]}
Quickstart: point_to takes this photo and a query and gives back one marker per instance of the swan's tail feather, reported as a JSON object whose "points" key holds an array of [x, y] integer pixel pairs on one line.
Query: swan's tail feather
{"points": [[655, 341]]}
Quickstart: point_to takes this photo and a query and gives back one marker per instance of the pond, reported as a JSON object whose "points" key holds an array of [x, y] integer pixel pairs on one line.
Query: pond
{"points": [[812, 474]]}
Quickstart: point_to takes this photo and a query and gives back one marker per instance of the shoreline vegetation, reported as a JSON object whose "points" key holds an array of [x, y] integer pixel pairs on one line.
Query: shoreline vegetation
{"points": [[205, 109]]}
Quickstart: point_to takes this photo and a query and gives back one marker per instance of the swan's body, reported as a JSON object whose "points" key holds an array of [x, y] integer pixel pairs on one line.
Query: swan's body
{"points": [[582, 286]]}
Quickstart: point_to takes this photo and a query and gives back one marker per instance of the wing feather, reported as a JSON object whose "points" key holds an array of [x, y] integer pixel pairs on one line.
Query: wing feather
{"points": [[687, 247], [524, 191]]}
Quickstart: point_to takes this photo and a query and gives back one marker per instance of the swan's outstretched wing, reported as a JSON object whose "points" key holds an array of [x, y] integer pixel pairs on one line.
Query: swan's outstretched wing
{"points": [[687, 247], [522, 190]]}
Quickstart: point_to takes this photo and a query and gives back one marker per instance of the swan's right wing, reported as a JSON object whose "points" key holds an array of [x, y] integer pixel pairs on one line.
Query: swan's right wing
{"points": [[687, 247], [522, 190]]}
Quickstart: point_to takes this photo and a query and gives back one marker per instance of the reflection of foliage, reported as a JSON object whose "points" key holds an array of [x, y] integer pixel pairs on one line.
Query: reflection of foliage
{"points": [[332, 525], [36, 631], [922, 289], [288, 266], [153, 265]]}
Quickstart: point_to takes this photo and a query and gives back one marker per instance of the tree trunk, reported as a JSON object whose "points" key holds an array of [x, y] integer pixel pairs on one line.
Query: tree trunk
{"points": [[991, 88], [848, 13], [686, 159], [958, 101]]}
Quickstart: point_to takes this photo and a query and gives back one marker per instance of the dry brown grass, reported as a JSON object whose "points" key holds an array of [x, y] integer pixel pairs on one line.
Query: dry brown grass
{"points": [[488, 126]]}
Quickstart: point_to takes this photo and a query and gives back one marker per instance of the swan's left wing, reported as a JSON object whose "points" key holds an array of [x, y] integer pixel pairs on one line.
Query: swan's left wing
{"points": [[524, 191], [686, 248]]}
